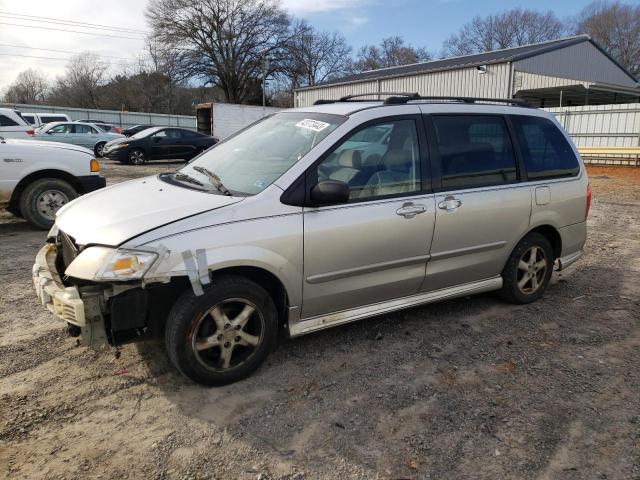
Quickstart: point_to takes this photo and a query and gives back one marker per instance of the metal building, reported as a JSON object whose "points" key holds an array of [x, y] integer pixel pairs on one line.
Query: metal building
{"points": [[558, 73]]}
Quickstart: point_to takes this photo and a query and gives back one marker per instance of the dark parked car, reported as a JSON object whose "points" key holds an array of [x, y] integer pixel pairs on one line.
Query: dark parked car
{"points": [[157, 143], [129, 132]]}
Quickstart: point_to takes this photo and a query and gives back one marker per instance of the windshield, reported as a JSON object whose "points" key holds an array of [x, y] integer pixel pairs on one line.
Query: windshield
{"points": [[145, 132], [253, 159]]}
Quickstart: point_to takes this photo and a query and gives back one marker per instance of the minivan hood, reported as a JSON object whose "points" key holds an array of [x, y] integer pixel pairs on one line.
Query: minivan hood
{"points": [[115, 214]]}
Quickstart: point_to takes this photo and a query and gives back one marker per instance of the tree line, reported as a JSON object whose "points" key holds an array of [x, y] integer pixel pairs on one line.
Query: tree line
{"points": [[220, 50]]}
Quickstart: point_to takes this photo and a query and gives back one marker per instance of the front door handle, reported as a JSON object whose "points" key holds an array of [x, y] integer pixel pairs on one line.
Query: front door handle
{"points": [[450, 203], [410, 210]]}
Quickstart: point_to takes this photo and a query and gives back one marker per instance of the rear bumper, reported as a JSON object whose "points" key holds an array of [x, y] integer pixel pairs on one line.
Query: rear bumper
{"points": [[89, 183]]}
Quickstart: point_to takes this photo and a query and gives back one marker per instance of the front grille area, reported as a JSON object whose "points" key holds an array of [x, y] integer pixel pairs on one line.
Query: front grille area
{"points": [[69, 249]]}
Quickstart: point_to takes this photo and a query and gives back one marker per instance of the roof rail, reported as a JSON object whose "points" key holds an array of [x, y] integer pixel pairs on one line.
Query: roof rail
{"points": [[356, 97], [400, 100]]}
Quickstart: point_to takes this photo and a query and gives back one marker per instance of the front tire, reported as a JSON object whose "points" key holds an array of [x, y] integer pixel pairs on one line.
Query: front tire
{"points": [[137, 156], [224, 335], [528, 270], [41, 200]]}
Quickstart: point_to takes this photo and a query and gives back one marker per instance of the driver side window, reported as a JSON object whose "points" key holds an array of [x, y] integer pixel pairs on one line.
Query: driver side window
{"points": [[376, 161]]}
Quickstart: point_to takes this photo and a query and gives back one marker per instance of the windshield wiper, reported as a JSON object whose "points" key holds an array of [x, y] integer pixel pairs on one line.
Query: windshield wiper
{"points": [[183, 177], [214, 179]]}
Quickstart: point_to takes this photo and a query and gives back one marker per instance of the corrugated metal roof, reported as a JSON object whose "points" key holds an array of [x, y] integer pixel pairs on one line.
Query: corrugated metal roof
{"points": [[495, 56]]}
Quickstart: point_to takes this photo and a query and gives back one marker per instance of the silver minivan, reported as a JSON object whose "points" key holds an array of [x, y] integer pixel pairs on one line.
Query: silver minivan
{"points": [[314, 217]]}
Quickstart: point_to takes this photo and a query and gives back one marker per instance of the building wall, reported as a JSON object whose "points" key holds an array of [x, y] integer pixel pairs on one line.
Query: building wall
{"points": [[466, 82], [583, 61], [601, 125], [120, 119]]}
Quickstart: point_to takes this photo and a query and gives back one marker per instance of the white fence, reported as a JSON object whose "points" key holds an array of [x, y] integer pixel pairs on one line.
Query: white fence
{"points": [[121, 119], [601, 125]]}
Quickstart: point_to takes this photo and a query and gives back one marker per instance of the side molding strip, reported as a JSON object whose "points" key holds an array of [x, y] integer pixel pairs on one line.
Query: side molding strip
{"points": [[321, 322], [349, 272], [466, 251]]}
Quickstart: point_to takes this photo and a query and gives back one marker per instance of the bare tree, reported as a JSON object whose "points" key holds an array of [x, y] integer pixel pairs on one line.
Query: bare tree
{"points": [[312, 56], [223, 42], [511, 28], [616, 27], [391, 52], [81, 83], [30, 86]]}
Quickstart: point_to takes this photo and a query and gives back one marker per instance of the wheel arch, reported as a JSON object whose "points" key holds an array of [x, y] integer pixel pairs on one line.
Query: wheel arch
{"points": [[553, 235], [14, 202], [267, 280]]}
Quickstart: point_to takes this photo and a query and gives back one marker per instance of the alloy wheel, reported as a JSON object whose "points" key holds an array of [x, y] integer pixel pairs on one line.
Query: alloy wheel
{"points": [[136, 157], [532, 269], [228, 334]]}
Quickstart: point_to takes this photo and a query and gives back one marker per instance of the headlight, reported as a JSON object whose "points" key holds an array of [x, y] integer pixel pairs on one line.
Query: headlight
{"points": [[122, 145], [103, 263]]}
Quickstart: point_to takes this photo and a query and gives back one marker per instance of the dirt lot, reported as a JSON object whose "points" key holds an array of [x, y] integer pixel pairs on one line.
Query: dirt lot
{"points": [[470, 388]]}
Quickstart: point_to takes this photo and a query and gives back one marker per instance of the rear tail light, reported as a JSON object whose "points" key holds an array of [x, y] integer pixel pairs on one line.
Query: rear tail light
{"points": [[117, 129], [586, 213], [30, 132]]}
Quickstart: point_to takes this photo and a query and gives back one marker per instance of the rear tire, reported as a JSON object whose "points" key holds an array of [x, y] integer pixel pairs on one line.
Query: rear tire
{"points": [[224, 335], [137, 156], [41, 200], [528, 270], [97, 150]]}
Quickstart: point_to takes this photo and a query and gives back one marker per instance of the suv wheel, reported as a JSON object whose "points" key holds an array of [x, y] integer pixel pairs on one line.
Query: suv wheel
{"points": [[528, 270], [136, 156], [99, 148], [41, 200], [224, 335]]}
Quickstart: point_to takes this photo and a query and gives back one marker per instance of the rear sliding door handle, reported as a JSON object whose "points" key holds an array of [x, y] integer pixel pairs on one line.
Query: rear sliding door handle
{"points": [[410, 210], [450, 204]]}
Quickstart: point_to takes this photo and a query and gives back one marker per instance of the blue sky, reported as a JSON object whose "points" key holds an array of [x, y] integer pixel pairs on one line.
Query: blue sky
{"points": [[422, 23]]}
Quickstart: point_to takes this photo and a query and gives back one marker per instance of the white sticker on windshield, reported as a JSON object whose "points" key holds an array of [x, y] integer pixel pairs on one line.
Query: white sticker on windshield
{"points": [[314, 125]]}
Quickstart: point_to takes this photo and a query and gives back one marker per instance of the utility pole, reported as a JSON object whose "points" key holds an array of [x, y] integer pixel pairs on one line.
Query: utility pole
{"points": [[265, 69]]}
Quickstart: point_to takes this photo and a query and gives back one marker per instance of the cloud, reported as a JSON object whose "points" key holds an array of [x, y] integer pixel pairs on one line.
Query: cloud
{"points": [[358, 20], [306, 7]]}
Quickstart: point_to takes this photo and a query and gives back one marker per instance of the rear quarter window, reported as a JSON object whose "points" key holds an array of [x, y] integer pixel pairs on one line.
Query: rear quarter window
{"points": [[545, 150], [7, 122]]}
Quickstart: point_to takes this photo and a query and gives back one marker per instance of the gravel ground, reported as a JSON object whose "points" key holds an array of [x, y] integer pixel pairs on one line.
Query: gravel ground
{"points": [[469, 388]]}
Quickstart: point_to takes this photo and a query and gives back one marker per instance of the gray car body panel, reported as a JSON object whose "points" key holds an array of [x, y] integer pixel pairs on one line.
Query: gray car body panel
{"points": [[344, 262]]}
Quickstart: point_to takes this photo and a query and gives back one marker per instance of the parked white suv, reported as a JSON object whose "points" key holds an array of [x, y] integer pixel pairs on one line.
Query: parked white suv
{"points": [[315, 217], [37, 178], [39, 119], [12, 125]]}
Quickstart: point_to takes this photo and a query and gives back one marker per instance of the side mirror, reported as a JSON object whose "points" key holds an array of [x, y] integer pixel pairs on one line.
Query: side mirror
{"points": [[49, 132], [157, 139], [330, 192]]}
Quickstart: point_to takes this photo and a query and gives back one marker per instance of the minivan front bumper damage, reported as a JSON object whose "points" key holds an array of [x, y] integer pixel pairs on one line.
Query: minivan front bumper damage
{"points": [[82, 307]]}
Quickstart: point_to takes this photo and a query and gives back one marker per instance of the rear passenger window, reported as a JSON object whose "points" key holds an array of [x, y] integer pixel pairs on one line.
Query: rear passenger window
{"points": [[475, 151], [546, 151]]}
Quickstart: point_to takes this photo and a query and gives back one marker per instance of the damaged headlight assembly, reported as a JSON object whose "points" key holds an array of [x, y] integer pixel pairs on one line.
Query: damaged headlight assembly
{"points": [[111, 264]]}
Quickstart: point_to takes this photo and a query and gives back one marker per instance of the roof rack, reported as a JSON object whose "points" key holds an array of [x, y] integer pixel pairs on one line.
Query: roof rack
{"points": [[400, 100], [356, 97]]}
